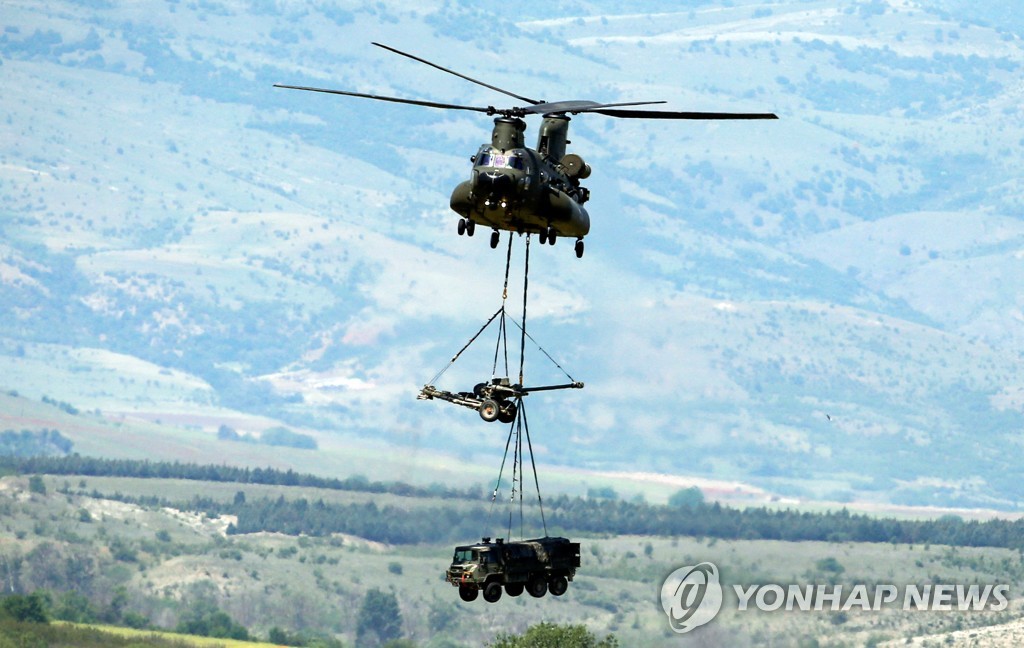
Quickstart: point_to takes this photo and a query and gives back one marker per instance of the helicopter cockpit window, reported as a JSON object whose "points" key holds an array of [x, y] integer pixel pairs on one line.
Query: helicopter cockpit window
{"points": [[500, 160]]}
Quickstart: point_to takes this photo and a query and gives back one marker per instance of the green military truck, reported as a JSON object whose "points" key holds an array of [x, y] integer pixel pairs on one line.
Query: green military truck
{"points": [[536, 566]]}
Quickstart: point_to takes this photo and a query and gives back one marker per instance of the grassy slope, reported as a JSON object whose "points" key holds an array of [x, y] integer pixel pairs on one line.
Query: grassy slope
{"points": [[318, 583], [192, 438], [170, 637]]}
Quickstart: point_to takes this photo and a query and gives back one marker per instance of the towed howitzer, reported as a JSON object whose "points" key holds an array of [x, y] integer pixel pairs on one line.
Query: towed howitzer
{"points": [[494, 400]]}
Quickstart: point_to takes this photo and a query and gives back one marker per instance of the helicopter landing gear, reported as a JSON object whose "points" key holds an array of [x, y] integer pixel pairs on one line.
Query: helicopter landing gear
{"points": [[579, 248], [543, 236], [494, 239], [466, 226], [551, 236], [462, 226]]}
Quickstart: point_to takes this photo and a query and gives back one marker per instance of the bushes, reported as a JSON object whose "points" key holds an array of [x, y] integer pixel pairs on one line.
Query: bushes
{"points": [[551, 634], [25, 609]]}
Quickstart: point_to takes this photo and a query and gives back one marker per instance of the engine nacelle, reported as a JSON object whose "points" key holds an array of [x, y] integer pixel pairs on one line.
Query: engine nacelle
{"points": [[574, 167]]}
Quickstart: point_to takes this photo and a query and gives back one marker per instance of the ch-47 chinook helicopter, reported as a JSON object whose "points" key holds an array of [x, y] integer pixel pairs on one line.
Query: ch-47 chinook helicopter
{"points": [[519, 189]]}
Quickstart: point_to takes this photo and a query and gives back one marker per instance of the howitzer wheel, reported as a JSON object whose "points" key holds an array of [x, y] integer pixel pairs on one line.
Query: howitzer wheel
{"points": [[537, 587], [467, 593], [492, 592], [558, 585], [508, 413], [514, 589], [489, 410]]}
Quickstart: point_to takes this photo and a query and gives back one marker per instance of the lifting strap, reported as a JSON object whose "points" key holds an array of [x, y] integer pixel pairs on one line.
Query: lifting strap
{"points": [[501, 345], [502, 342], [526, 290], [519, 430], [520, 427], [500, 311]]}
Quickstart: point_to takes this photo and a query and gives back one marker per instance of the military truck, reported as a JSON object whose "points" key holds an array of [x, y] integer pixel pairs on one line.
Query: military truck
{"points": [[537, 566]]}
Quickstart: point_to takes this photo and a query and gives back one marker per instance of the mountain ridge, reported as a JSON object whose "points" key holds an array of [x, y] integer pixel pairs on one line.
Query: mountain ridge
{"points": [[293, 256]]}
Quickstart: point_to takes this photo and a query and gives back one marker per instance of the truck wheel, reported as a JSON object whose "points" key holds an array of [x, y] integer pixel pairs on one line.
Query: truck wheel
{"points": [[558, 585], [514, 589], [489, 410], [537, 587], [468, 594], [492, 592]]}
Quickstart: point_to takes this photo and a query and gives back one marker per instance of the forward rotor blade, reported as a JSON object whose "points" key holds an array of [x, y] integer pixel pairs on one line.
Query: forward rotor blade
{"points": [[665, 114], [461, 76], [430, 104], [579, 106]]}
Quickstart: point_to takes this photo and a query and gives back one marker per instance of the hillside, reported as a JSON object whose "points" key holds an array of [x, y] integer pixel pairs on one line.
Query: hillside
{"points": [[819, 307], [154, 564]]}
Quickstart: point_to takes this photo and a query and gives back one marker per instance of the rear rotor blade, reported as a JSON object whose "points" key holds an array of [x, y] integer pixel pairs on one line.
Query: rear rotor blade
{"points": [[665, 114], [490, 110], [461, 76]]}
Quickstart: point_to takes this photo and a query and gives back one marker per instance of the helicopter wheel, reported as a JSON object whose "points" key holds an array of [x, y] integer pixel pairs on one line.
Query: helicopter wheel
{"points": [[470, 227], [494, 238], [462, 226], [543, 236], [551, 236], [579, 249]]}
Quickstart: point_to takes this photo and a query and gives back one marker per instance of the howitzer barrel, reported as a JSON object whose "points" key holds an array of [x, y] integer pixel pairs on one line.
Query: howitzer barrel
{"points": [[573, 385]]}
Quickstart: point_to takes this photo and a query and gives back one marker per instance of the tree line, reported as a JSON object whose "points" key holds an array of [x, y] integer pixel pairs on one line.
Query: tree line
{"points": [[28, 443], [76, 464], [394, 524], [427, 524]]}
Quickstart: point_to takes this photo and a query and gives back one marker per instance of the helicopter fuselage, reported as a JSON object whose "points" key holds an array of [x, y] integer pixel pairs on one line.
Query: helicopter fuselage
{"points": [[519, 189]]}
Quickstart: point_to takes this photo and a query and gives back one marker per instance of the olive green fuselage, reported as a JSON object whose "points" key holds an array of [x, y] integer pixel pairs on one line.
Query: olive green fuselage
{"points": [[519, 189]]}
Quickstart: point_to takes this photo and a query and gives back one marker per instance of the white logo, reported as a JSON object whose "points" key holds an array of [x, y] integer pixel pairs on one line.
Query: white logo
{"points": [[691, 596]]}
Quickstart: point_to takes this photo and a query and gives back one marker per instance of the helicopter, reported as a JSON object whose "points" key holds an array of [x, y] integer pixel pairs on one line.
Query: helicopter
{"points": [[523, 190]]}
